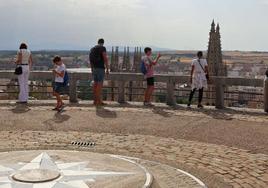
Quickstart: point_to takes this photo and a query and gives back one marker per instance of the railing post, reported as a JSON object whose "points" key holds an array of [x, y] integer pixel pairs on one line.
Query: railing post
{"points": [[266, 94], [219, 93], [170, 93], [73, 88], [121, 92]]}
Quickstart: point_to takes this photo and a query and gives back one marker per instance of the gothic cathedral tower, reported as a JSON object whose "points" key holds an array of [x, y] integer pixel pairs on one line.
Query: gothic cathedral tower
{"points": [[214, 59], [214, 54]]}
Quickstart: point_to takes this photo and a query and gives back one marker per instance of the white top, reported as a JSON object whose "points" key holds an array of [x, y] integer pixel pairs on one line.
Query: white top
{"points": [[199, 77], [149, 66], [25, 56], [197, 67], [59, 69]]}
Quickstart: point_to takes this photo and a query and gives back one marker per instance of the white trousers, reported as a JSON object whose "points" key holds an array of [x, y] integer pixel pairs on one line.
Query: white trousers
{"points": [[23, 82]]}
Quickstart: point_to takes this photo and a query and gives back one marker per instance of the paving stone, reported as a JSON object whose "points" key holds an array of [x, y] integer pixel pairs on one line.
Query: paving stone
{"points": [[237, 167]]}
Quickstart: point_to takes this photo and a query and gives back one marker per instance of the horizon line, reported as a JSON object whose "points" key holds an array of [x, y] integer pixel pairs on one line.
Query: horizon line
{"points": [[163, 50]]}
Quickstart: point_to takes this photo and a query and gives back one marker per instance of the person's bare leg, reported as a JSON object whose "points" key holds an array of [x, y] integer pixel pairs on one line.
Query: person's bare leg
{"points": [[150, 93], [54, 94], [98, 94], [99, 91], [59, 101], [146, 94], [95, 85]]}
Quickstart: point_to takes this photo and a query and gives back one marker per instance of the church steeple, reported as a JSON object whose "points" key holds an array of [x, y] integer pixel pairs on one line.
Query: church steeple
{"points": [[214, 55], [212, 26], [218, 28], [214, 58]]}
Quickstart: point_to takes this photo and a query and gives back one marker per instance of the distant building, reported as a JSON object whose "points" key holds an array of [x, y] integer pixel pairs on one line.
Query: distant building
{"points": [[215, 60]]}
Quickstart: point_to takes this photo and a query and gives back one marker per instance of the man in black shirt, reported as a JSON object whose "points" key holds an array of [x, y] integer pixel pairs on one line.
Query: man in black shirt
{"points": [[99, 62]]}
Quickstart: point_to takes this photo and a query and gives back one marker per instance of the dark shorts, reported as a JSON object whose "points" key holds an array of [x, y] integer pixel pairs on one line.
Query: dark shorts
{"points": [[150, 81], [98, 75], [58, 87]]}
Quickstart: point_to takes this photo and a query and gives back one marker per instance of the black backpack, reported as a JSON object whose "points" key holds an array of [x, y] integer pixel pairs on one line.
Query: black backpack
{"points": [[94, 56]]}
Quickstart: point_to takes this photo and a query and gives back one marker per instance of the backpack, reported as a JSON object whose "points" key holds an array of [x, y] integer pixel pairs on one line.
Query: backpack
{"points": [[65, 79], [94, 57], [143, 68]]}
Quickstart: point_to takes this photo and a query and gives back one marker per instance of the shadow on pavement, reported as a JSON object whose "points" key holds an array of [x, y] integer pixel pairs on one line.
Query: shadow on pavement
{"points": [[217, 114], [20, 109], [60, 118], [222, 114], [105, 113], [57, 119], [160, 111]]}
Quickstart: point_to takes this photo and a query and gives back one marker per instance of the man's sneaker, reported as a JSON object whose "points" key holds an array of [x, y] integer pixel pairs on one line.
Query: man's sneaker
{"points": [[200, 106], [22, 102]]}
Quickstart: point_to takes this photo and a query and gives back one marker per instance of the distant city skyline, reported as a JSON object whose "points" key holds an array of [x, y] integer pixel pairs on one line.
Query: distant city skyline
{"points": [[171, 24]]}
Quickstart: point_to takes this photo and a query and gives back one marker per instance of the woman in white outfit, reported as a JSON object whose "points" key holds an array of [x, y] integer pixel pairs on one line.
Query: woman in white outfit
{"points": [[199, 78], [24, 59]]}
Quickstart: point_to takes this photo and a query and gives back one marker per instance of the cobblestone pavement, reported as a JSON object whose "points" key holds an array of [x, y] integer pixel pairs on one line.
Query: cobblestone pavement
{"points": [[245, 129], [128, 131], [217, 166], [87, 169]]}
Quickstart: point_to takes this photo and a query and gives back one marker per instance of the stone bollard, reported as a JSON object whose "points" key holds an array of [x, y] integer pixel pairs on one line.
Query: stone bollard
{"points": [[266, 94], [170, 93], [219, 93], [73, 88], [121, 92]]}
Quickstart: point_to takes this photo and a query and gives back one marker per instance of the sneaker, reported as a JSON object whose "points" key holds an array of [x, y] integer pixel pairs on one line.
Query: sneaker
{"points": [[200, 106], [188, 105], [22, 102]]}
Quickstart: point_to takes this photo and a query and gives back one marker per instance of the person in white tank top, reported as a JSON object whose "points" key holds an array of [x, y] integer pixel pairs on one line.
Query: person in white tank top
{"points": [[24, 59]]}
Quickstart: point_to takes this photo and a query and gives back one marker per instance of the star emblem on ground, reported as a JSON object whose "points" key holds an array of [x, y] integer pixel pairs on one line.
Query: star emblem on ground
{"points": [[72, 175]]}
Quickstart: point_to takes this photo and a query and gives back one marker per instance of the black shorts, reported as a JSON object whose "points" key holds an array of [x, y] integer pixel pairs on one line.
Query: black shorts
{"points": [[58, 87], [150, 81]]}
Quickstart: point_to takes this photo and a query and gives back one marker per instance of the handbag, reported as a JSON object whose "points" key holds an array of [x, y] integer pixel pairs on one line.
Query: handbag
{"points": [[18, 70], [207, 75]]}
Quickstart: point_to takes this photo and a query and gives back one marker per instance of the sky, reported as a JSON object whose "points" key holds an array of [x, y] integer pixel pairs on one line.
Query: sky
{"points": [[172, 24]]}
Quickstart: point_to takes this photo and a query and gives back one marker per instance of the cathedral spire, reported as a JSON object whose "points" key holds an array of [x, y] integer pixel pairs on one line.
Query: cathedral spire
{"points": [[214, 58], [214, 55], [218, 28], [213, 26]]}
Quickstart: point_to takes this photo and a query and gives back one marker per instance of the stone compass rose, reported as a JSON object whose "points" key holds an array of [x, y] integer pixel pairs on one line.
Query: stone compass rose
{"points": [[43, 172]]}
